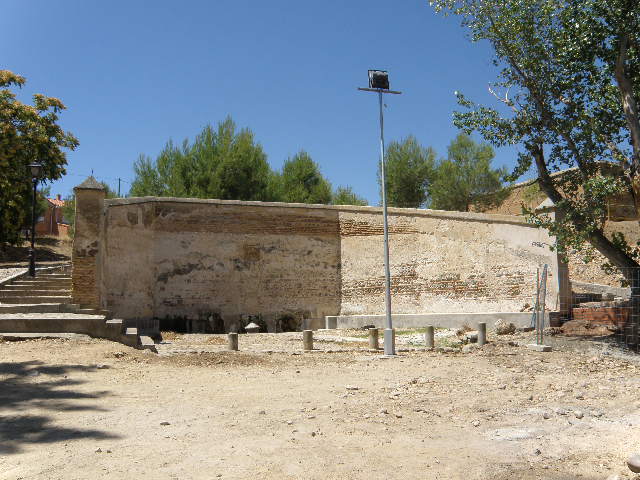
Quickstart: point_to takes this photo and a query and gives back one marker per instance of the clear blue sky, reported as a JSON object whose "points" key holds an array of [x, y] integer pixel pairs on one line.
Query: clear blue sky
{"points": [[134, 74]]}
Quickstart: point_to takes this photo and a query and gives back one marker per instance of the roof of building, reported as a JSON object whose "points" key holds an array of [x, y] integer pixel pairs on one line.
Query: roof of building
{"points": [[90, 184], [56, 202]]}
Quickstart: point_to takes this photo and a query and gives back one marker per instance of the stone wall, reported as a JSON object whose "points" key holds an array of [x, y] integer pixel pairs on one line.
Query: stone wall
{"points": [[207, 260], [86, 244]]}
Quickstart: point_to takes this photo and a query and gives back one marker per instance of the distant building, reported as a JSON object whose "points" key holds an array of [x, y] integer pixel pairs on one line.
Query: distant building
{"points": [[53, 222]]}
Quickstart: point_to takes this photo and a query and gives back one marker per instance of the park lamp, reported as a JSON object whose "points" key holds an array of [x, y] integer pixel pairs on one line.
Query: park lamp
{"points": [[36, 170]]}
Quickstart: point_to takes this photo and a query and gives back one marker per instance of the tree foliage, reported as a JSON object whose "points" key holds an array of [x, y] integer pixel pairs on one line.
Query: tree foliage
{"points": [[300, 181], [220, 163], [409, 171], [228, 164], [569, 84], [465, 178], [28, 133], [346, 196]]}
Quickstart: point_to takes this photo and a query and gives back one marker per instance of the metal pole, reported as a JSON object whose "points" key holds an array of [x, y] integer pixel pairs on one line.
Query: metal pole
{"points": [[389, 340], [32, 252]]}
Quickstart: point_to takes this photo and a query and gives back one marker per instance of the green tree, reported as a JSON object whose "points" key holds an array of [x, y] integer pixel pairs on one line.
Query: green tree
{"points": [[569, 84], [465, 179], [220, 163], [301, 181], [346, 196], [409, 171], [28, 133]]}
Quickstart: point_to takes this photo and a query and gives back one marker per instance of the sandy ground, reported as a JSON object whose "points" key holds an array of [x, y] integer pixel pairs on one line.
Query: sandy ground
{"points": [[91, 409]]}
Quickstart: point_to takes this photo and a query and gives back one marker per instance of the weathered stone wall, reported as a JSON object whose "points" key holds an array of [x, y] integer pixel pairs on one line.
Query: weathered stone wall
{"points": [[204, 259], [89, 207], [442, 262]]}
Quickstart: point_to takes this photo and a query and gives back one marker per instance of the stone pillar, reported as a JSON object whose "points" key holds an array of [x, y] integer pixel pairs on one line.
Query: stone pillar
{"points": [[429, 337], [373, 339], [90, 197]]}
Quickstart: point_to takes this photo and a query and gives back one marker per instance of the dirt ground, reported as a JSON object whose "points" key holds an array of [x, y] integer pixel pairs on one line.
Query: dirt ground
{"points": [[89, 409]]}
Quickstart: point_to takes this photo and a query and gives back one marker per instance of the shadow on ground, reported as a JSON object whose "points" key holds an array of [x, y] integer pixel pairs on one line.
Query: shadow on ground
{"points": [[32, 385], [48, 249]]}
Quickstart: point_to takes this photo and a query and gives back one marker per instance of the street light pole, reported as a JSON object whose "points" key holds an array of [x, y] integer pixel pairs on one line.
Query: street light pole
{"points": [[380, 80], [35, 169]]}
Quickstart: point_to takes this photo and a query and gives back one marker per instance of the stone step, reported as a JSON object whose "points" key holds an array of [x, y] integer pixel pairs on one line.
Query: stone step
{"points": [[50, 276], [38, 284], [33, 308], [32, 293], [36, 299]]}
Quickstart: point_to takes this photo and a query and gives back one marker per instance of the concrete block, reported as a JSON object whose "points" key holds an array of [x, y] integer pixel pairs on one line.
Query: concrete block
{"points": [[539, 348]]}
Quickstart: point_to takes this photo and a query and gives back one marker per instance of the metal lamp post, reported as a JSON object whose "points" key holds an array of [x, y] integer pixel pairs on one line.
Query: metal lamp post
{"points": [[36, 171], [379, 83]]}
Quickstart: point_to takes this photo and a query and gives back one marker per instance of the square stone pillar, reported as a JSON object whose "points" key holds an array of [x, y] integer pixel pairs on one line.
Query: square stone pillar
{"points": [[90, 197]]}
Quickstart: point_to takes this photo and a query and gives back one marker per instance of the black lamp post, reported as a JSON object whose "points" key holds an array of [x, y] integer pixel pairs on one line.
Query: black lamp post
{"points": [[36, 171]]}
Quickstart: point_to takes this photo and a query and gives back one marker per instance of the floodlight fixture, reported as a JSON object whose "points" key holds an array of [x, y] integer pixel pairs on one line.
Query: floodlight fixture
{"points": [[379, 79]]}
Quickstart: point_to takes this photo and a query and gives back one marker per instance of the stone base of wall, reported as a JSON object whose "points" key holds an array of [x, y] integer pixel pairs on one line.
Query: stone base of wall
{"points": [[438, 320]]}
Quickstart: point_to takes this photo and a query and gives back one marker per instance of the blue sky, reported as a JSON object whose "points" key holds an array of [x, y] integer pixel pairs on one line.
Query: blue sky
{"points": [[135, 73]]}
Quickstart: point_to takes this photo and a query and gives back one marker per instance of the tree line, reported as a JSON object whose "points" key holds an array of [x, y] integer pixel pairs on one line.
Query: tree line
{"points": [[227, 163]]}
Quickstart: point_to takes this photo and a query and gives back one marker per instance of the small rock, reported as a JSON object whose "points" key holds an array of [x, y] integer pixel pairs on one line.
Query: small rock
{"points": [[579, 396], [398, 415], [101, 366], [475, 423], [537, 451], [313, 434], [546, 415], [530, 397], [596, 414], [504, 328], [165, 423], [502, 387], [633, 462], [384, 411], [352, 387], [108, 451], [561, 411], [289, 422], [578, 414], [98, 450], [262, 412]]}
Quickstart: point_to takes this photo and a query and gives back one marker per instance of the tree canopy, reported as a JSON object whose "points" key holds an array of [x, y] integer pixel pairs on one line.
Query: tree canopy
{"points": [[228, 164], [465, 180], [300, 181], [220, 163], [409, 171], [568, 84], [346, 196], [28, 133]]}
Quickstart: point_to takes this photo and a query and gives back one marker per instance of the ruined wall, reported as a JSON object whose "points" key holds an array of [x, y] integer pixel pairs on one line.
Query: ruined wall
{"points": [[185, 258], [442, 262], [197, 259]]}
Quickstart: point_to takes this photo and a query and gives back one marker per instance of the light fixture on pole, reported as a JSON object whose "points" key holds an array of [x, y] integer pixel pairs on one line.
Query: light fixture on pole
{"points": [[379, 83], [35, 170]]}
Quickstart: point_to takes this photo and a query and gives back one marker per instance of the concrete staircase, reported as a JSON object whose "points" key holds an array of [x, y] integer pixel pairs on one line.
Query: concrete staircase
{"points": [[43, 305]]}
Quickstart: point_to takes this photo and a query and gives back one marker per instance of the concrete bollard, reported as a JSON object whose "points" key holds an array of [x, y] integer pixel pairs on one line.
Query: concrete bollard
{"points": [[307, 339], [373, 339], [482, 333], [232, 338], [429, 339]]}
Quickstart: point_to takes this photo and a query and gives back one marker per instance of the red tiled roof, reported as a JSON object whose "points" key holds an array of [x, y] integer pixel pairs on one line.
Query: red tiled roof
{"points": [[55, 202]]}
